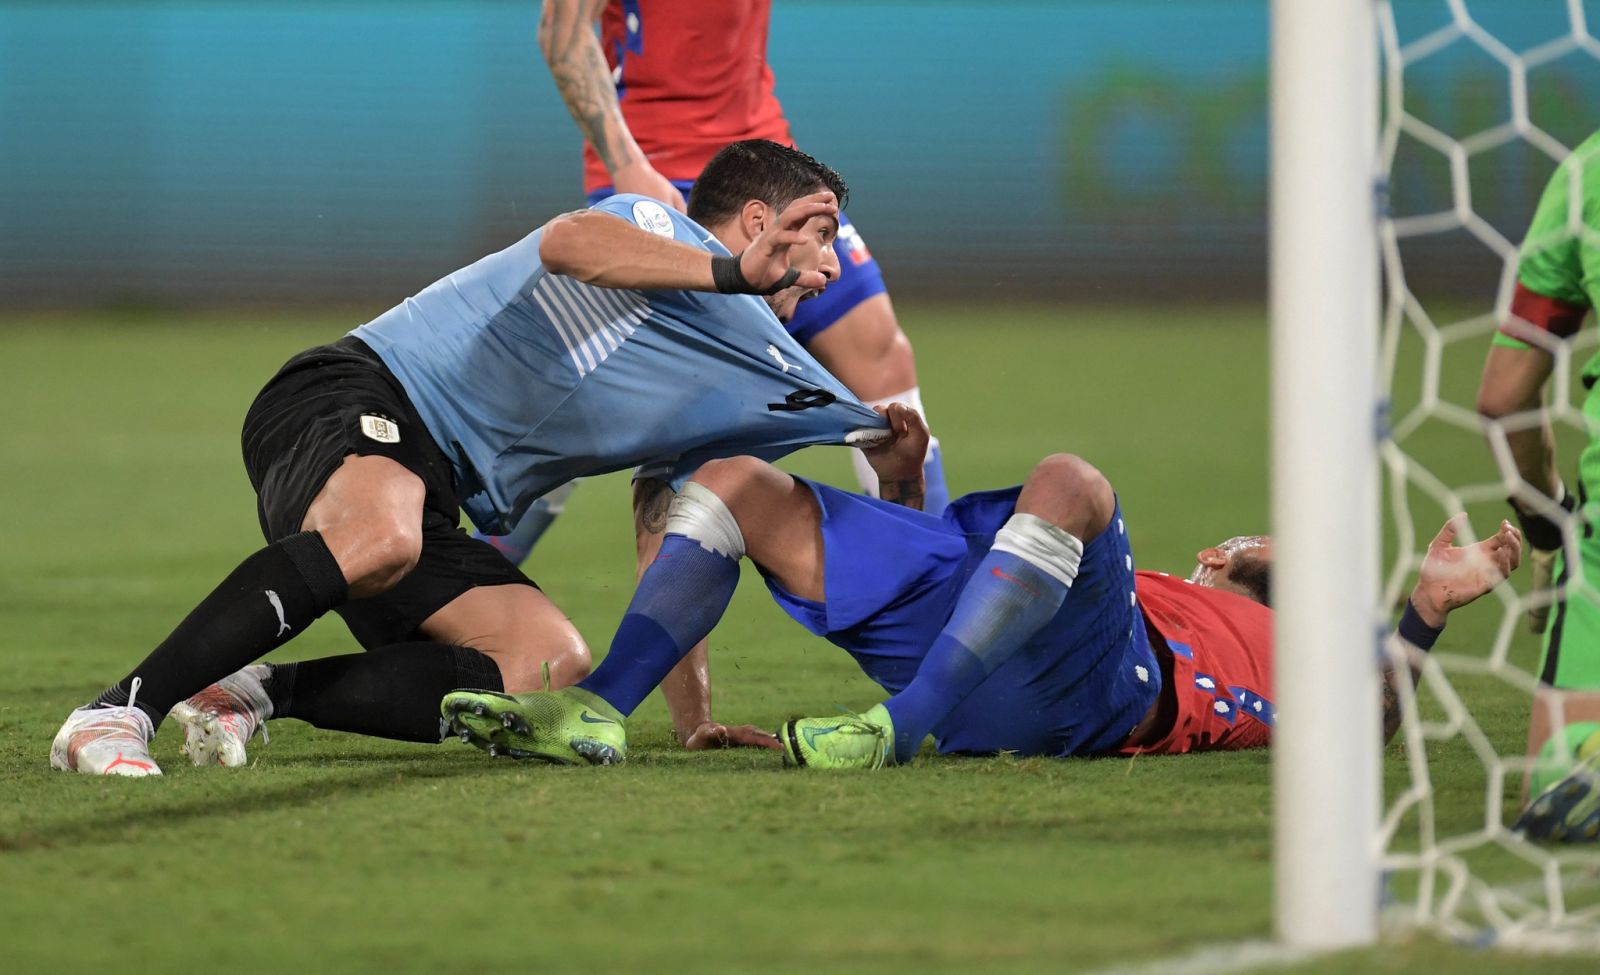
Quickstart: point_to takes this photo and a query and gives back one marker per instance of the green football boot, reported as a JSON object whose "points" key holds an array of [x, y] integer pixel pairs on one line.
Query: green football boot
{"points": [[1568, 811], [842, 741], [568, 727]]}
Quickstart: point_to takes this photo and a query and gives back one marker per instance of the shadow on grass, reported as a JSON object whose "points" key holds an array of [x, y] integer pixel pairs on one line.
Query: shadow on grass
{"points": [[99, 826]]}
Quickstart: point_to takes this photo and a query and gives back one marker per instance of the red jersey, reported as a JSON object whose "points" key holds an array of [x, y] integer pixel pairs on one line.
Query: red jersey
{"points": [[693, 77], [1221, 664]]}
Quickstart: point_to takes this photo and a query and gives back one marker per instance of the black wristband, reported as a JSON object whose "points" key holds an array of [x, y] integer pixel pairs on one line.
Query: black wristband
{"points": [[729, 277], [1541, 532], [1415, 631]]}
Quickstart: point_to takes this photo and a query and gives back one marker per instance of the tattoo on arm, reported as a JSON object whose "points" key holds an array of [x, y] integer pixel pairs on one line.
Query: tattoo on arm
{"points": [[651, 499], [1393, 714], [1391, 705], [571, 49], [908, 492]]}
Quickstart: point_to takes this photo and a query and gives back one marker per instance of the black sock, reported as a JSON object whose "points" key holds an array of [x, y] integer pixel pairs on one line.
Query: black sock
{"points": [[391, 692], [272, 596]]}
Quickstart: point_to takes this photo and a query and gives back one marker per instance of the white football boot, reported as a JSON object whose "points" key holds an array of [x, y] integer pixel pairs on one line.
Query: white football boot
{"points": [[219, 721], [106, 741]]}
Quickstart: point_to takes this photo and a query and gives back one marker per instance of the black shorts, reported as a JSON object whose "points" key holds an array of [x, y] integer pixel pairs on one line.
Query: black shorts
{"points": [[336, 400]]}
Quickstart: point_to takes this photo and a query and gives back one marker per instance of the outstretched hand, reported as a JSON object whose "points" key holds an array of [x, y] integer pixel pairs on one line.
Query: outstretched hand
{"points": [[1453, 576], [711, 735], [765, 263]]}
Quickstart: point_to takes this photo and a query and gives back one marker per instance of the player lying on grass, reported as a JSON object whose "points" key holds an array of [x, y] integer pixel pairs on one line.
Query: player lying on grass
{"points": [[1016, 622], [612, 337]]}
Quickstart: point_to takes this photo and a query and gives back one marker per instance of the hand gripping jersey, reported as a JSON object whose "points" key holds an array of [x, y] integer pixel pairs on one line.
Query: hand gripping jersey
{"points": [[691, 77], [527, 379], [1221, 665]]}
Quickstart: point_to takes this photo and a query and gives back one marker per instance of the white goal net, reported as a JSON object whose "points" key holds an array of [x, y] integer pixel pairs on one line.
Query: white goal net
{"points": [[1480, 103]]}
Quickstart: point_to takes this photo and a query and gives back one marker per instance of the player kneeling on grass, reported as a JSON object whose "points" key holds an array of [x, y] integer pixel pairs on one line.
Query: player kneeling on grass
{"points": [[1015, 622], [618, 336]]}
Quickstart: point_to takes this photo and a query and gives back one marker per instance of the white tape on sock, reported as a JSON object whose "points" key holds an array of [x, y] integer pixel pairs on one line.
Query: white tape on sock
{"points": [[1050, 549], [911, 397], [699, 514]]}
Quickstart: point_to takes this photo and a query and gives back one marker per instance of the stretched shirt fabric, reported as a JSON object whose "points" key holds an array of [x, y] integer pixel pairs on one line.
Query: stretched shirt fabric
{"points": [[527, 379], [691, 76], [1221, 647]]}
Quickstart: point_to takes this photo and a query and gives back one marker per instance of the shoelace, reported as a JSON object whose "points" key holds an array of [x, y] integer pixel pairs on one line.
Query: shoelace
{"points": [[133, 695], [116, 723]]}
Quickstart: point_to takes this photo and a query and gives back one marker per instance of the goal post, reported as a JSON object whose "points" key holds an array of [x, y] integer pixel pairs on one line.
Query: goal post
{"points": [[1324, 305]]}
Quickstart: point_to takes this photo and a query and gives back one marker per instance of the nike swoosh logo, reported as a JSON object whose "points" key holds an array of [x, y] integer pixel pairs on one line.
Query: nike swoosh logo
{"points": [[586, 716], [1002, 574], [812, 734]]}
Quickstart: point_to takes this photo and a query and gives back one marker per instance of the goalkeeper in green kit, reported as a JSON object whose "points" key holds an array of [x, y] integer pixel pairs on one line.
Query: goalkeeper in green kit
{"points": [[1558, 282]]}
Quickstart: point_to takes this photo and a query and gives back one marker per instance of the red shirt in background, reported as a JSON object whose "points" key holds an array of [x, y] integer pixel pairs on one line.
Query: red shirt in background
{"points": [[694, 77]]}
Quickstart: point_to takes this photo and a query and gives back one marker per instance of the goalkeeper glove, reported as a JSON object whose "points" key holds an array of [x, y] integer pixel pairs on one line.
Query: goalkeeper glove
{"points": [[1544, 541]]}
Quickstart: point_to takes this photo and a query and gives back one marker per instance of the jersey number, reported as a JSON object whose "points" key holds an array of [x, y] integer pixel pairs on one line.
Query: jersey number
{"points": [[803, 399]]}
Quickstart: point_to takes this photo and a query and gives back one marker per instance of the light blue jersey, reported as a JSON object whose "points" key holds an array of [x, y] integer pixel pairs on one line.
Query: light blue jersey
{"points": [[527, 379]]}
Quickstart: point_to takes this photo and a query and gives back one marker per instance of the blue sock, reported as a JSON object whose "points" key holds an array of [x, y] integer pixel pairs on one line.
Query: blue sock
{"points": [[681, 597], [935, 493], [1005, 603]]}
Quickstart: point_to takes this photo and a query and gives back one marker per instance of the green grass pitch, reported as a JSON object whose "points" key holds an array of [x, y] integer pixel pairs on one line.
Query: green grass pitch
{"points": [[124, 500]]}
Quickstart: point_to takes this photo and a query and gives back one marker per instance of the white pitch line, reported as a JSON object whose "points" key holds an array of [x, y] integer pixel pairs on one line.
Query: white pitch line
{"points": [[1217, 960]]}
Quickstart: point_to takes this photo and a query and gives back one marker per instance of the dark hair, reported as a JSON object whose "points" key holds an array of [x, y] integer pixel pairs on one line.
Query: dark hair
{"points": [[1255, 575], [756, 169]]}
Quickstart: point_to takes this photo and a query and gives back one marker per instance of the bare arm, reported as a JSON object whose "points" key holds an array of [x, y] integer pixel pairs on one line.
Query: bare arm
{"points": [[579, 68], [1513, 382], [606, 250], [572, 51], [898, 461], [601, 249], [1450, 578]]}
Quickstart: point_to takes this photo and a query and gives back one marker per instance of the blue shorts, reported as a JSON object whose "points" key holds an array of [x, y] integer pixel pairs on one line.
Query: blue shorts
{"points": [[859, 278], [891, 579]]}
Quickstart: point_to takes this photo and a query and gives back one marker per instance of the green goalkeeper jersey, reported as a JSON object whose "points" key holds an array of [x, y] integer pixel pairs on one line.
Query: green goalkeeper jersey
{"points": [[1558, 282], [1558, 271], [1561, 256]]}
